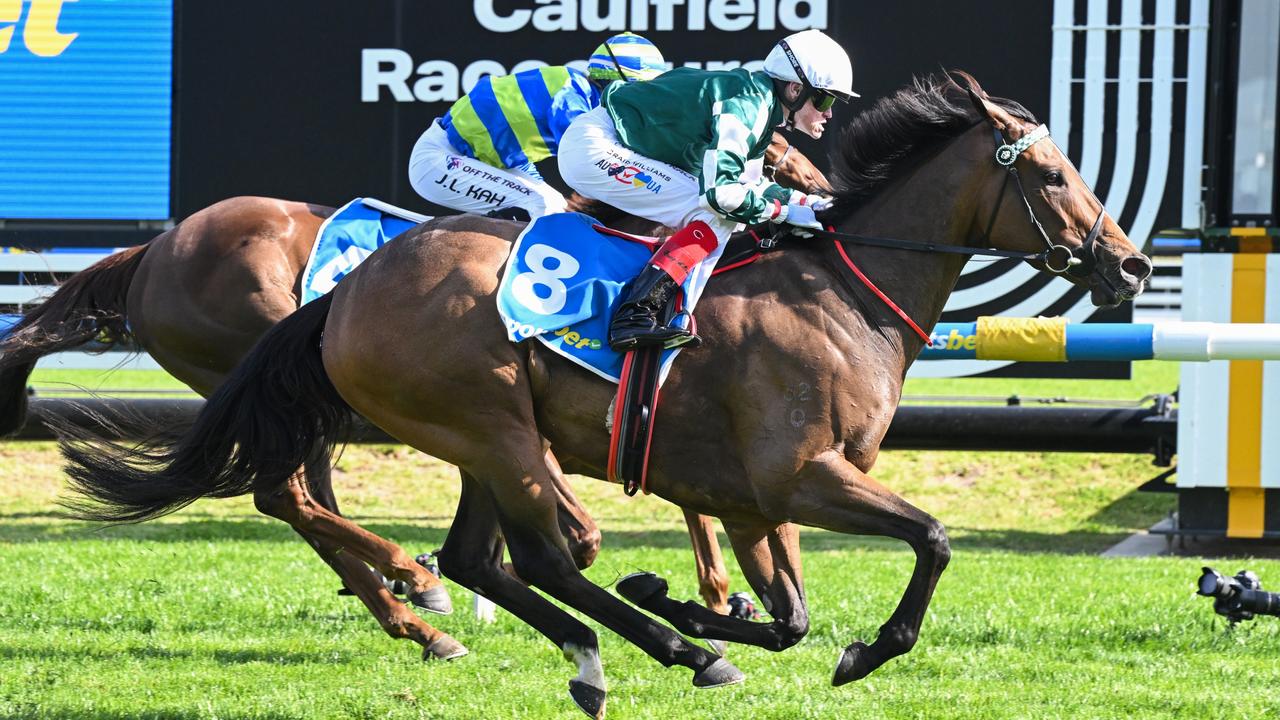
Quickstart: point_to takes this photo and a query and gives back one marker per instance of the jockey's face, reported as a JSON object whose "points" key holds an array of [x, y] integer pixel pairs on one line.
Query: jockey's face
{"points": [[808, 119], [811, 121]]}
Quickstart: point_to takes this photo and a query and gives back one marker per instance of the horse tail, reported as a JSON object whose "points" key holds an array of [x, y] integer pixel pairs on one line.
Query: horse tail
{"points": [[276, 412], [89, 305]]}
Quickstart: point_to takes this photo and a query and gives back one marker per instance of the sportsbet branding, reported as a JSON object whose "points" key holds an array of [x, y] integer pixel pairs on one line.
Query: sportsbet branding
{"points": [[40, 35], [955, 340], [393, 73]]}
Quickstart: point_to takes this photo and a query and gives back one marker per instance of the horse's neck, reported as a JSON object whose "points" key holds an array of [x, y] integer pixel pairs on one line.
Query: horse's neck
{"points": [[934, 205]]}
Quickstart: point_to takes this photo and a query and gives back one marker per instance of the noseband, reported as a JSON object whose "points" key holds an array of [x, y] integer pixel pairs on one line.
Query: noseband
{"points": [[1057, 258], [771, 171]]}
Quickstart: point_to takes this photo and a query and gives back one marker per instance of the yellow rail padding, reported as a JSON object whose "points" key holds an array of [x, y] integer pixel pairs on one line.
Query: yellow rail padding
{"points": [[1252, 240], [1026, 339], [1245, 499], [1246, 512]]}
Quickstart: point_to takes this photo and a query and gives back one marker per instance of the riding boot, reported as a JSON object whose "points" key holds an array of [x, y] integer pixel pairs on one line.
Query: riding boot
{"points": [[639, 320], [636, 322]]}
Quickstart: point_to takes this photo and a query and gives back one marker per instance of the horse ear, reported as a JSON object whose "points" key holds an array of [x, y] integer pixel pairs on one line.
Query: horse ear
{"points": [[986, 110], [980, 105]]}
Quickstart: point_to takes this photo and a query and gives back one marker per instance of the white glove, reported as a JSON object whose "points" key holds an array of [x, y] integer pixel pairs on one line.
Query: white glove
{"points": [[819, 203], [801, 215]]}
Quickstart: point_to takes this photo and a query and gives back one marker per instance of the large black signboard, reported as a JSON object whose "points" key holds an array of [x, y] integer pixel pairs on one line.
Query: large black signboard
{"points": [[325, 104], [323, 101]]}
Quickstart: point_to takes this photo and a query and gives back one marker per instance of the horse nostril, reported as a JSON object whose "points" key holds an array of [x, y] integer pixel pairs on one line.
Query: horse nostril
{"points": [[1139, 266]]}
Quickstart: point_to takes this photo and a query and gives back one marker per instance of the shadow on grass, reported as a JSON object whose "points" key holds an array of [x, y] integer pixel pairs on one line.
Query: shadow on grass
{"points": [[222, 657], [416, 536], [43, 712]]}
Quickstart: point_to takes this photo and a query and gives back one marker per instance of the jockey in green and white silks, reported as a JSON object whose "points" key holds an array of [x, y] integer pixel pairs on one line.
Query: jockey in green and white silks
{"points": [[687, 150], [480, 156]]}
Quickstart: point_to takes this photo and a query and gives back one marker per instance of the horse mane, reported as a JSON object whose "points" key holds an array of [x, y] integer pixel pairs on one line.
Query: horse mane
{"points": [[881, 141]]}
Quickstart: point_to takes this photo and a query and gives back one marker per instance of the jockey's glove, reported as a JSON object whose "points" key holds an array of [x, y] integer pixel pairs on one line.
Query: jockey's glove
{"points": [[819, 203], [801, 214]]}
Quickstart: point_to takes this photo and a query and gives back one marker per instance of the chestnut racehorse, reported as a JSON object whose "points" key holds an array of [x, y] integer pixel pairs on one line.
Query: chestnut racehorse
{"points": [[412, 341]]}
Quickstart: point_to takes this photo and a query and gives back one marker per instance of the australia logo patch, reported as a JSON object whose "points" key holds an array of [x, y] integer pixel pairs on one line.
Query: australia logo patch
{"points": [[630, 175]]}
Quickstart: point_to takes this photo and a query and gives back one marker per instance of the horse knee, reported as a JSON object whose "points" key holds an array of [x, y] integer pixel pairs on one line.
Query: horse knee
{"points": [[937, 544], [541, 569], [585, 546], [465, 568], [713, 586], [792, 630]]}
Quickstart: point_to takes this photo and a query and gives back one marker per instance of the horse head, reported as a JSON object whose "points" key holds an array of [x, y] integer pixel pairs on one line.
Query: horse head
{"points": [[1039, 203], [791, 168]]}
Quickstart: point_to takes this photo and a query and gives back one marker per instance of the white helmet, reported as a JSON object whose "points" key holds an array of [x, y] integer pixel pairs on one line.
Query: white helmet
{"points": [[814, 60]]}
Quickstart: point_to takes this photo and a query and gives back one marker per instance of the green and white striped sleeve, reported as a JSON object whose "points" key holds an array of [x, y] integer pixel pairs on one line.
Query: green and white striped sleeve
{"points": [[737, 124]]}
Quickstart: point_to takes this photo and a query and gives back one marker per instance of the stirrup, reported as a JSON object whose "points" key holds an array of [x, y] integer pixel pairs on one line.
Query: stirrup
{"points": [[689, 338]]}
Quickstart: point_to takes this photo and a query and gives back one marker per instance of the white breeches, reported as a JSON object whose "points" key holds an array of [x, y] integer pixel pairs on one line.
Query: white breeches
{"points": [[594, 163], [442, 175]]}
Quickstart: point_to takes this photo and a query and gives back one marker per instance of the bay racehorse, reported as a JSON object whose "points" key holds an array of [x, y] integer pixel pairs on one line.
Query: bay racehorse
{"points": [[200, 295], [412, 341]]}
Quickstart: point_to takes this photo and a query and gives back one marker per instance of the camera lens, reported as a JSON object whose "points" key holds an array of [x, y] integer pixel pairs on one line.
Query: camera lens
{"points": [[1210, 583]]}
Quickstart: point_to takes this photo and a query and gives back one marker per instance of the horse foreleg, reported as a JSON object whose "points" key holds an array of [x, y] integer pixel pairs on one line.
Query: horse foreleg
{"points": [[294, 504], [770, 558], [713, 579], [834, 494]]}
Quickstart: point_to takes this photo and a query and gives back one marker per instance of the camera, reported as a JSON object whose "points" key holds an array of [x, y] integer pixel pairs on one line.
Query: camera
{"points": [[1238, 598]]}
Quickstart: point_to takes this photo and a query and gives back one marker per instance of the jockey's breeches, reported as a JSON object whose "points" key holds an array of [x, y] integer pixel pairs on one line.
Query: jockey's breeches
{"points": [[595, 164], [444, 176]]}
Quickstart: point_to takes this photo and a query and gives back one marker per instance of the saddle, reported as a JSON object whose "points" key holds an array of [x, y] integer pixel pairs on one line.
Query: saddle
{"points": [[636, 404]]}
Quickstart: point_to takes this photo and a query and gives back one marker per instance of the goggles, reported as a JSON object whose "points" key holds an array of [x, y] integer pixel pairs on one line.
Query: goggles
{"points": [[822, 100]]}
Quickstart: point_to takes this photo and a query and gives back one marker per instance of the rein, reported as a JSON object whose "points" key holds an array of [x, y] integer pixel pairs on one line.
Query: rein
{"points": [[1056, 258]]}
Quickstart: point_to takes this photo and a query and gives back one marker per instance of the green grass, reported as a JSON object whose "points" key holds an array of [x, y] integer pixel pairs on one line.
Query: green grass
{"points": [[217, 612]]}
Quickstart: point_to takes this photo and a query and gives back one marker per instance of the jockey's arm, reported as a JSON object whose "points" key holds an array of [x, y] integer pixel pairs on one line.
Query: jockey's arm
{"points": [[577, 96], [735, 129]]}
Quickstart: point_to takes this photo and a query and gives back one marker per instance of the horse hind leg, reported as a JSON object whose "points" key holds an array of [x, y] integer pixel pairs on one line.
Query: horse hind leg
{"points": [[346, 547], [769, 556], [472, 557], [833, 494], [294, 504], [518, 482]]}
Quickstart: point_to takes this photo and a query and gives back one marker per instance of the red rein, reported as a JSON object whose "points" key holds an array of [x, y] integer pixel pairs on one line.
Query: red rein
{"points": [[892, 305]]}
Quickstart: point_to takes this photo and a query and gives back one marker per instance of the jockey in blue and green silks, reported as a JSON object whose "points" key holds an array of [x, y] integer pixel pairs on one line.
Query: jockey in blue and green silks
{"points": [[480, 156]]}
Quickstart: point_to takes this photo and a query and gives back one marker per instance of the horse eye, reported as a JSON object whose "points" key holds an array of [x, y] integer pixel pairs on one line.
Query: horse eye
{"points": [[1054, 177]]}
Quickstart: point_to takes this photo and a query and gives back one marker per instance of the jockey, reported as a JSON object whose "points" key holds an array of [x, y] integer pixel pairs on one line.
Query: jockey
{"points": [[480, 156], [687, 150]]}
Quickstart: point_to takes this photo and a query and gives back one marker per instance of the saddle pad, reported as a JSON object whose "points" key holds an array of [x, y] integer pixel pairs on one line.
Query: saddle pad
{"points": [[348, 237], [562, 282]]}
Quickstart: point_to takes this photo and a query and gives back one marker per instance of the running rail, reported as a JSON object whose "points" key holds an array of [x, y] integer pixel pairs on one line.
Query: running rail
{"points": [[1056, 340]]}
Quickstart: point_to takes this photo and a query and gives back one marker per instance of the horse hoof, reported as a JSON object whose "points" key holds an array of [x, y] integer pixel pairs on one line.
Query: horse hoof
{"points": [[444, 648], [639, 587], [436, 600], [853, 665], [718, 674], [589, 699], [719, 647]]}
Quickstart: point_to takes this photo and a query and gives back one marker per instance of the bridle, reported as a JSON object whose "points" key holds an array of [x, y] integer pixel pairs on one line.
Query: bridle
{"points": [[771, 171], [1056, 258]]}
